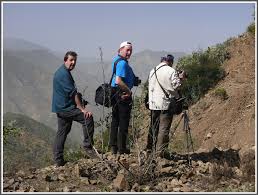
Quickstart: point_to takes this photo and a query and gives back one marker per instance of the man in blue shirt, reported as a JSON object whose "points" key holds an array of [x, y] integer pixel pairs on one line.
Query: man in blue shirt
{"points": [[67, 105], [122, 83]]}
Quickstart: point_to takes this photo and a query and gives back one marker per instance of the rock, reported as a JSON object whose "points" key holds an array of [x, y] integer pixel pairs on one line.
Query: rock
{"points": [[235, 181], [235, 147], [175, 183], [54, 178], [16, 186], [146, 188], [85, 180], [66, 189], [209, 135], [20, 179], [125, 163], [176, 189], [11, 181], [47, 188], [20, 173], [31, 176], [76, 170], [247, 154], [6, 185], [183, 179], [166, 170], [162, 185], [61, 177], [93, 182], [202, 150], [190, 173], [238, 172], [120, 182], [135, 188], [32, 189], [185, 188], [247, 159]]}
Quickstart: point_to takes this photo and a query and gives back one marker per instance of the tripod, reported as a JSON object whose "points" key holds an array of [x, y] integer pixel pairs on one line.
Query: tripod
{"points": [[187, 130]]}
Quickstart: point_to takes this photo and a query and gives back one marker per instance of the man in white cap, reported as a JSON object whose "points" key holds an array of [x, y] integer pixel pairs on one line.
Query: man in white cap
{"points": [[122, 82]]}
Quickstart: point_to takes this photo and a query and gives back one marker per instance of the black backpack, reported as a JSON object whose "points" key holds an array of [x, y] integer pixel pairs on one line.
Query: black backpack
{"points": [[105, 93]]}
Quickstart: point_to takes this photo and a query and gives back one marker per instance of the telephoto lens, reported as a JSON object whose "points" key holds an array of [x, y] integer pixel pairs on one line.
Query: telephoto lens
{"points": [[137, 81]]}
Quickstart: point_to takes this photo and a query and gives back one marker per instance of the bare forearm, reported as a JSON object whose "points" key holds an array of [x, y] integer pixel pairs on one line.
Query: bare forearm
{"points": [[122, 85], [78, 102]]}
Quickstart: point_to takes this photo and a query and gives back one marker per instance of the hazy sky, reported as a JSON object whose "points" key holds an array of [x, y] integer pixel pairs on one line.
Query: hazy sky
{"points": [[84, 27]]}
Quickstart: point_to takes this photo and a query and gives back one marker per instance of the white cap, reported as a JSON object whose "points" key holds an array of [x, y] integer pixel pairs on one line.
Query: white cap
{"points": [[125, 43]]}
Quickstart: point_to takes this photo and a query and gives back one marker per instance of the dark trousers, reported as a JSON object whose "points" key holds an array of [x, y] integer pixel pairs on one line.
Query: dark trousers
{"points": [[65, 120], [158, 136], [121, 112]]}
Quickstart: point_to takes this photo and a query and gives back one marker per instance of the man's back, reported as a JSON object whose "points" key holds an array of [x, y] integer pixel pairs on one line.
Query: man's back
{"points": [[168, 79]]}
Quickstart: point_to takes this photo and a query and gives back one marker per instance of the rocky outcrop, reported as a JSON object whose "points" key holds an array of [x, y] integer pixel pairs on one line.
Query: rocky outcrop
{"points": [[209, 171]]}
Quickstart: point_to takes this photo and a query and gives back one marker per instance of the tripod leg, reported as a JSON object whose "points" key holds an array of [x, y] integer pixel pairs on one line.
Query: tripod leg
{"points": [[187, 139]]}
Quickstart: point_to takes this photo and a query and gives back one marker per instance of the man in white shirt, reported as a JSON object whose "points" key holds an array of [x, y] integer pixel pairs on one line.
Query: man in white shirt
{"points": [[166, 77]]}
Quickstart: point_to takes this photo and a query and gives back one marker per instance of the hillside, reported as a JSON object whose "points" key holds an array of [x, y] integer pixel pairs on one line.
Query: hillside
{"points": [[223, 131], [229, 123], [31, 148]]}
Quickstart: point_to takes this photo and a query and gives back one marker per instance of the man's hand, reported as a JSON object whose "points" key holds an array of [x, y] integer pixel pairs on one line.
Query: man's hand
{"points": [[87, 114], [125, 95], [182, 75]]}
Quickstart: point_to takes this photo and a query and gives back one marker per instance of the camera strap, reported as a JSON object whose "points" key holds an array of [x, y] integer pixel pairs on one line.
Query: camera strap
{"points": [[155, 71]]}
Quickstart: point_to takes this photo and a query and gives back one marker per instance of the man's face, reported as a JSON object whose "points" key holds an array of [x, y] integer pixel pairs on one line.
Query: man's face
{"points": [[70, 62], [126, 51]]}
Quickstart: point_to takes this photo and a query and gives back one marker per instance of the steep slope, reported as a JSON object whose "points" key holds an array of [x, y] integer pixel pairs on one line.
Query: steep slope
{"points": [[31, 147], [231, 122]]}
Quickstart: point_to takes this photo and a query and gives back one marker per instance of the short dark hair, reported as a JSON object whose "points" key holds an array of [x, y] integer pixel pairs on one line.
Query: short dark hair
{"points": [[162, 59], [70, 53], [170, 58]]}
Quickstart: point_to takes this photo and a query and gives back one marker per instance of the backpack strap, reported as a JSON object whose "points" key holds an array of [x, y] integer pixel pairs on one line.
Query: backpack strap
{"points": [[114, 70]]}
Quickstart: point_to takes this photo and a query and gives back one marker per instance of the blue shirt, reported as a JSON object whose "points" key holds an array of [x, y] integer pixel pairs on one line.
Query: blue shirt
{"points": [[63, 90], [124, 71]]}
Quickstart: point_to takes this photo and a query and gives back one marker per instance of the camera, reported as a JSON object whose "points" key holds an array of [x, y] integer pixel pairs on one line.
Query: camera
{"points": [[83, 101], [182, 71], [137, 81]]}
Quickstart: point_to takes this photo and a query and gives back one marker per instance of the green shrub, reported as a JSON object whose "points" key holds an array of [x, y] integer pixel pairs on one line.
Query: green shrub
{"points": [[222, 93], [251, 29], [73, 155], [10, 130], [98, 140], [204, 71]]}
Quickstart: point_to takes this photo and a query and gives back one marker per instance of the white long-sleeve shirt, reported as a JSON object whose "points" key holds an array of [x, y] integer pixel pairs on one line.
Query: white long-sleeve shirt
{"points": [[169, 80]]}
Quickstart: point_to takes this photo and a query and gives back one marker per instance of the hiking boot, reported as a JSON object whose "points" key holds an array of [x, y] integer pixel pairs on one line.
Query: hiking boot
{"points": [[114, 149], [167, 155], [61, 163], [147, 150], [91, 153], [124, 151]]}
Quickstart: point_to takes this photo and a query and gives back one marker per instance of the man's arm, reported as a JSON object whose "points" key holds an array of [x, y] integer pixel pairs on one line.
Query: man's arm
{"points": [[79, 105], [122, 85]]}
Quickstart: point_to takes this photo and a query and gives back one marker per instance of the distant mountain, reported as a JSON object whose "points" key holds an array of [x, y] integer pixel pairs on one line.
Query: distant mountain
{"points": [[16, 44], [144, 61], [33, 145]]}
